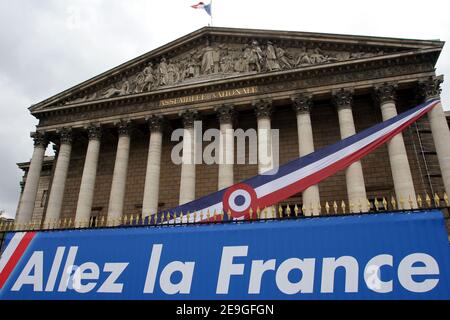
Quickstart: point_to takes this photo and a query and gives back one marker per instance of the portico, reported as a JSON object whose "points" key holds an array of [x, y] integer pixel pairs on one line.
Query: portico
{"points": [[325, 95]]}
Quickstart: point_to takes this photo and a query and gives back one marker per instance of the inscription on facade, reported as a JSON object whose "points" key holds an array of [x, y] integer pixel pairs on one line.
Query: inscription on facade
{"points": [[209, 96]]}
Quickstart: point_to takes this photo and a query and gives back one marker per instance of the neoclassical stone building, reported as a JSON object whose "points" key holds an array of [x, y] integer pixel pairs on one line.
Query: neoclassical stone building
{"points": [[112, 133]]}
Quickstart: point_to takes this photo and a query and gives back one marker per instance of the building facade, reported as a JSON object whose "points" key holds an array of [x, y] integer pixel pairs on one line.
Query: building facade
{"points": [[113, 132]]}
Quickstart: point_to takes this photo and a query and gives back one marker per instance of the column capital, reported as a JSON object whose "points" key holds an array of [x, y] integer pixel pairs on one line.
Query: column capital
{"points": [[94, 131], [189, 117], [124, 127], [386, 92], [302, 103], [225, 113], [155, 122], [343, 98], [431, 88], [40, 139], [263, 108], [65, 135]]}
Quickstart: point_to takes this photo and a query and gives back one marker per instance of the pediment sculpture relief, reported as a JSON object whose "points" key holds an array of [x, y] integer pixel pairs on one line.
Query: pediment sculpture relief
{"points": [[215, 61]]}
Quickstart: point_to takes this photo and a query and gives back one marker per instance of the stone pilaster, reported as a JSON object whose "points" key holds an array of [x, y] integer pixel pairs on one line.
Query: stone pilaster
{"points": [[398, 158], [302, 104], [117, 194], [26, 206], [86, 194], [356, 189], [187, 181], [152, 176], [431, 89], [55, 200], [225, 114]]}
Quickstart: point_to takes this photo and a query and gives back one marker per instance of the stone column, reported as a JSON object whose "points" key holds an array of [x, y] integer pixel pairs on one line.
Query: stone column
{"points": [[302, 106], [55, 200], [86, 194], [439, 127], [119, 181], [398, 158], [226, 149], [26, 207], [356, 189], [263, 111], [151, 189], [187, 181]]}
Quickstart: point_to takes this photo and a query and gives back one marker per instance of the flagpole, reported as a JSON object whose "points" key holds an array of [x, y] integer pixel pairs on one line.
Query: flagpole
{"points": [[211, 12]]}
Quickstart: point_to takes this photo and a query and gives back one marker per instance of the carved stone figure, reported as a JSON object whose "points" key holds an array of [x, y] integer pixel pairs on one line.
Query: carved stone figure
{"points": [[283, 58], [149, 77], [208, 59], [124, 89], [226, 64], [139, 83], [254, 57], [163, 73], [271, 58]]}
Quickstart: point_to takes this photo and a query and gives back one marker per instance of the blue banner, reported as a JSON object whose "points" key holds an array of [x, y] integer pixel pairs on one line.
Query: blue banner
{"points": [[380, 256]]}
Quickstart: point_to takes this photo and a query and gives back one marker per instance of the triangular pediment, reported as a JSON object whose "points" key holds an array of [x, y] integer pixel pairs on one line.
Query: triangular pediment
{"points": [[211, 54]]}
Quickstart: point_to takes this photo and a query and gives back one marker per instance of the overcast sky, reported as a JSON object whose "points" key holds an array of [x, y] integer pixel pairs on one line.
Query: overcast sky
{"points": [[47, 46]]}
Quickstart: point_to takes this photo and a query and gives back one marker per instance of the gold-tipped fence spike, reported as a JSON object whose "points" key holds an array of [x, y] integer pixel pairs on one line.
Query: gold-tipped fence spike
{"points": [[327, 207], [229, 215], [419, 201], [369, 205], [65, 223], [296, 210], [207, 215], [402, 204], [303, 208], [125, 219], [385, 203], [428, 200], [102, 222], [201, 216], [70, 222], [288, 211], [215, 215], [437, 200], [258, 213], [250, 213], [280, 212], [376, 203], [274, 213], [393, 203], [188, 217], [335, 207], [446, 199], [343, 206]]}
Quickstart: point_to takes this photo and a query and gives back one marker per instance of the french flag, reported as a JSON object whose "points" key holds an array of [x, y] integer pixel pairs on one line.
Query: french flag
{"points": [[14, 250], [270, 188], [201, 5]]}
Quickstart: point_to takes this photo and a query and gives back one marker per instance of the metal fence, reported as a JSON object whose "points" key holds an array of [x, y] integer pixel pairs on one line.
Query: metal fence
{"points": [[285, 210]]}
